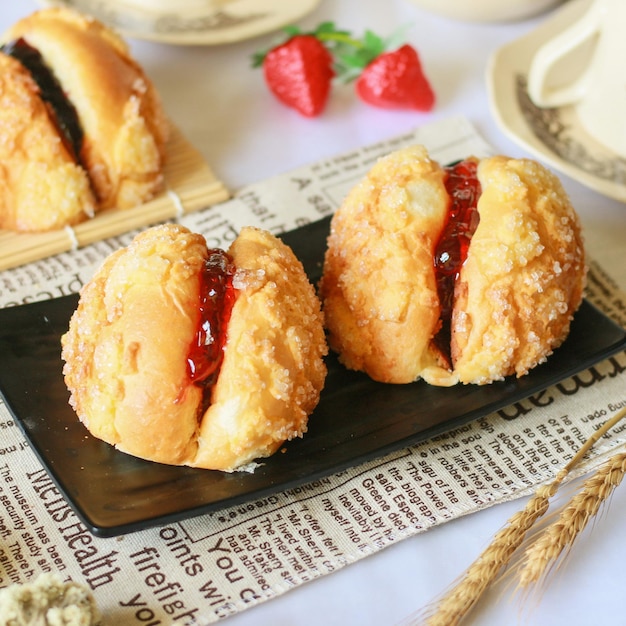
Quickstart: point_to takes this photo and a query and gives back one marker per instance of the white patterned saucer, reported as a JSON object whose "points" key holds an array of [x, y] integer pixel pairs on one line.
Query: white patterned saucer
{"points": [[553, 135]]}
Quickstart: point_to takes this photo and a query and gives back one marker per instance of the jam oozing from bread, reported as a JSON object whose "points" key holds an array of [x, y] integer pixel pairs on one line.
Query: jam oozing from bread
{"points": [[61, 110], [217, 297], [463, 190]]}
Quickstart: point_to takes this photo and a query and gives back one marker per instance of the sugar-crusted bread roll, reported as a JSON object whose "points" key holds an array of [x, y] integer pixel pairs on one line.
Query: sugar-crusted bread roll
{"points": [[135, 349], [120, 131], [411, 291]]}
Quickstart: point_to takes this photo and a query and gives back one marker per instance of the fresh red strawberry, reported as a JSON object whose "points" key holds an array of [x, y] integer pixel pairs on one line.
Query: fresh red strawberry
{"points": [[395, 80], [299, 73]]}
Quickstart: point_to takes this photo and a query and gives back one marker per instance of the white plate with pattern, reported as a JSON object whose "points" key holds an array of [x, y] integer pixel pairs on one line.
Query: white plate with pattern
{"points": [[192, 22]]}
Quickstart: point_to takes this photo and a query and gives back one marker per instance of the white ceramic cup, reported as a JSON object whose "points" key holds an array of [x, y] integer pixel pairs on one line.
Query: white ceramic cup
{"points": [[598, 89]]}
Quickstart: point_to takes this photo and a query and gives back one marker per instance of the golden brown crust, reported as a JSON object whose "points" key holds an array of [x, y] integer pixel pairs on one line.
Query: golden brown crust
{"points": [[127, 345], [524, 275], [518, 290], [273, 369], [378, 287], [42, 187], [125, 129]]}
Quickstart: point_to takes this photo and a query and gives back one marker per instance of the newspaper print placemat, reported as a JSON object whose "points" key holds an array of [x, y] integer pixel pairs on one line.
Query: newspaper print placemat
{"points": [[215, 565]]}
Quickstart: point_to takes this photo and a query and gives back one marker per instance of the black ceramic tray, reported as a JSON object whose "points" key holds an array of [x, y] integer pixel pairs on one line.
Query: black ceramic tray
{"points": [[356, 420]]}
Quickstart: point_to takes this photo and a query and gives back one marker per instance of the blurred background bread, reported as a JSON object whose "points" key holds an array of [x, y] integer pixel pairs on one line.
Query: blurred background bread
{"points": [[122, 125]]}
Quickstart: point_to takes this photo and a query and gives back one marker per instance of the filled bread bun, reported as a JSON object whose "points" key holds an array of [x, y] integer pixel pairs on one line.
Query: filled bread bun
{"points": [[107, 116], [188, 356], [467, 274]]}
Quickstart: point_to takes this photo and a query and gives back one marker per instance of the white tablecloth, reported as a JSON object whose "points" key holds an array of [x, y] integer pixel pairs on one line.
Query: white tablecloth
{"points": [[223, 107]]}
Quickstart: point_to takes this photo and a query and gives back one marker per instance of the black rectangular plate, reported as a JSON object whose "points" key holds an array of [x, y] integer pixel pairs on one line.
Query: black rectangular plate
{"points": [[356, 420]]}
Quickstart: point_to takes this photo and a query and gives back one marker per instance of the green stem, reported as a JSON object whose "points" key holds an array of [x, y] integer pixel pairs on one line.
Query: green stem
{"points": [[342, 38]]}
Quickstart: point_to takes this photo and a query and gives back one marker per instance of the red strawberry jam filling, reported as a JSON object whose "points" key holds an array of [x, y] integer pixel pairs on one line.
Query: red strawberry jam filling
{"points": [[217, 297], [463, 190]]}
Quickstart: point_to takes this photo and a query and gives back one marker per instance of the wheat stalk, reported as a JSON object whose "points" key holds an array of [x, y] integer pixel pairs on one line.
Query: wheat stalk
{"points": [[458, 602], [543, 555]]}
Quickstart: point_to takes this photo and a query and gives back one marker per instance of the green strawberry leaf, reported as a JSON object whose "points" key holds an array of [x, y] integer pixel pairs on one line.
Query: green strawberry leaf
{"points": [[326, 28], [374, 44], [258, 58], [291, 31]]}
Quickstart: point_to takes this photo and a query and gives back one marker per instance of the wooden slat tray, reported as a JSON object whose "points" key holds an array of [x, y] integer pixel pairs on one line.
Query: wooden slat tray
{"points": [[190, 186]]}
